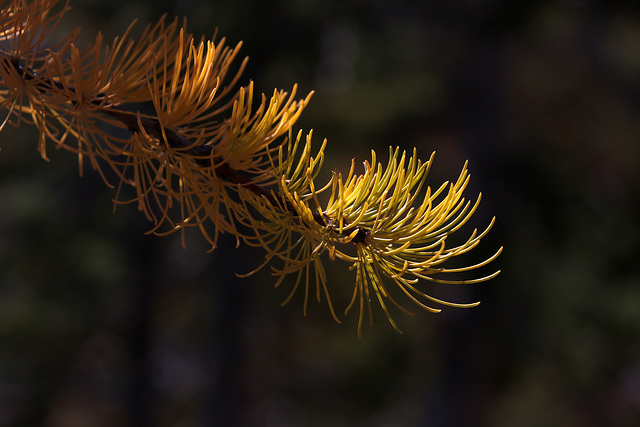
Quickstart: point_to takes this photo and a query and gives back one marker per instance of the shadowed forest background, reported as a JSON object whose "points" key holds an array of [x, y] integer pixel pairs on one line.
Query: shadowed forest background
{"points": [[102, 325]]}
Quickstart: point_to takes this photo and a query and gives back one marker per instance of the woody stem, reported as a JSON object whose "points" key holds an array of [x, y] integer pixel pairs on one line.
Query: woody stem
{"points": [[202, 154]]}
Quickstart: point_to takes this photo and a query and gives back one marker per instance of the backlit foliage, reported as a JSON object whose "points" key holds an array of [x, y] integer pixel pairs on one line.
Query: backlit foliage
{"points": [[206, 157]]}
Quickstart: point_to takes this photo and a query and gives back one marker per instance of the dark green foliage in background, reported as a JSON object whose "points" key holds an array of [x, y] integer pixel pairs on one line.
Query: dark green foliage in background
{"points": [[100, 323]]}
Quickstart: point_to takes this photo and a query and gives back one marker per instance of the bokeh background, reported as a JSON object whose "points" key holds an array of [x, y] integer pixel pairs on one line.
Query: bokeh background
{"points": [[103, 325]]}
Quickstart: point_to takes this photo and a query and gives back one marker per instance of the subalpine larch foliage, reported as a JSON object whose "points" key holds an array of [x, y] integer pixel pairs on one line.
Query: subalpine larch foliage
{"points": [[207, 158]]}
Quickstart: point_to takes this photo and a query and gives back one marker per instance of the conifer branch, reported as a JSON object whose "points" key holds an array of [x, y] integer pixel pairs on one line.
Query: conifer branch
{"points": [[206, 159]]}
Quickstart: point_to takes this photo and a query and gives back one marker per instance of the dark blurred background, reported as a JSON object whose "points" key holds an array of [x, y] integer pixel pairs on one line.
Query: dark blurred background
{"points": [[103, 325]]}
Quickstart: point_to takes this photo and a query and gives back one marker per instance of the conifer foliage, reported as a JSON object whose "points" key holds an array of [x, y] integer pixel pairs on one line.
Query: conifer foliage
{"points": [[207, 157]]}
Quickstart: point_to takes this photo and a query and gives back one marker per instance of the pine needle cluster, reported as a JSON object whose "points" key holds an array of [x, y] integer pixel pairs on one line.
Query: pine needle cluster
{"points": [[207, 158]]}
